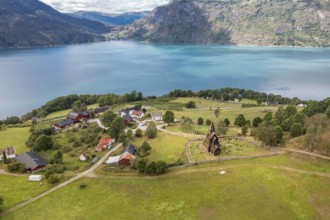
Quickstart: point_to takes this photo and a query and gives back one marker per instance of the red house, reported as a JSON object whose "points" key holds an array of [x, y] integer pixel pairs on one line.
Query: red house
{"points": [[103, 144], [78, 116], [125, 159]]}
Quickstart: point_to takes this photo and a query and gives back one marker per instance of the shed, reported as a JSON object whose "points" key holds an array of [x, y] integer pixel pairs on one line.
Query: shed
{"points": [[35, 178]]}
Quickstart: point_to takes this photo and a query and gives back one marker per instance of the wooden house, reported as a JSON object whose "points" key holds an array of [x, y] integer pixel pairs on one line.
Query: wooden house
{"points": [[9, 151], [78, 116], [63, 124], [103, 144], [211, 142], [32, 161]]}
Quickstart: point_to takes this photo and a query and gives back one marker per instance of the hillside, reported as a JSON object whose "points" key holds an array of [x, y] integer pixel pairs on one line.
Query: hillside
{"points": [[110, 19], [33, 23], [257, 22]]}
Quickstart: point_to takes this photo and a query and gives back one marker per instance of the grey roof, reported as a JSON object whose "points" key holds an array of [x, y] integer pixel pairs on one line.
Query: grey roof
{"points": [[31, 160], [85, 113], [127, 118], [65, 122], [101, 109], [130, 148], [156, 114]]}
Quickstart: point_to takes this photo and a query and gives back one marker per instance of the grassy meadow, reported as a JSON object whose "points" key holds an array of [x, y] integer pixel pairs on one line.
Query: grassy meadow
{"points": [[15, 137], [165, 147], [249, 190]]}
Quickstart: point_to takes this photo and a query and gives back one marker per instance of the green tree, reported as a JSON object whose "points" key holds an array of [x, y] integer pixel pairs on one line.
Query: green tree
{"points": [[244, 130], [57, 157], [268, 117], [144, 149], [200, 121], [227, 122], [129, 134], [296, 130], [141, 165], [191, 104], [116, 127], [259, 101], [240, 120], [279, 134], [256, 121], [107, 118], [151, 131], [1, 200], [168, 117], [217, 112], [122, 138], [327, 112], [43, 142], [4, 157], [290, 111], [221, 128], [208, 122], [138, 133], [267, 134]]}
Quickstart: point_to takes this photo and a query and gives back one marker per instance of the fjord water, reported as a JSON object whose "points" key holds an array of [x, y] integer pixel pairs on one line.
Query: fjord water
{"points": [[31, 77]]}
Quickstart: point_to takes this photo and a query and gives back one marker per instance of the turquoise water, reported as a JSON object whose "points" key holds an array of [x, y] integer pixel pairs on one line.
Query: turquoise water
{"points": [[30, 77]]}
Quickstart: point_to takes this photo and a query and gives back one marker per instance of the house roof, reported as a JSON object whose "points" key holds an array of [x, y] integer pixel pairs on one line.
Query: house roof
{"points": [[105, 140], [126, 156], [72, 115], [8, 150], [65, 123], [84, 113], [156, 114], [130, 148], [127, 118], [31, 160], [137, 113], [101, 109], [112, 160]]}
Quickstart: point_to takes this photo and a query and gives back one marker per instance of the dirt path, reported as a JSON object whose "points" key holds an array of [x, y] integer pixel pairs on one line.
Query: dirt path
{"points": [[3, 172], [305, 152], [219, 168], [80, 175]]}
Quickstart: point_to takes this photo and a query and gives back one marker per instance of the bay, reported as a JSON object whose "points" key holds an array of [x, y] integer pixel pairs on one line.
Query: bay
{"points": [[31, 77]]}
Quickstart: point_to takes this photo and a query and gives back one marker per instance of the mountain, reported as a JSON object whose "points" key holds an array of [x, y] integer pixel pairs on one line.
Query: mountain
{"points": [[247, 22], [33, 23], [110, 19]]}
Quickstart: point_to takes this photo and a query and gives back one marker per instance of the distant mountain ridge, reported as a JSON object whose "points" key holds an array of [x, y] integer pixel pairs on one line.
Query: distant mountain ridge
{"points": [[110, 19], [33, 23], [247, 22]]}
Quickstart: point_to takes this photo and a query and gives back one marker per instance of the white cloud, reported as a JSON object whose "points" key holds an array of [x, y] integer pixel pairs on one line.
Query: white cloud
{"points": [[108, 6]]}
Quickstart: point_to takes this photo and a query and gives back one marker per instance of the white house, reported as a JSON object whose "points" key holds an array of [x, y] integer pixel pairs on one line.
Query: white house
{"points": [[156, 116], [9, 151], [35, 178], [301, 105]]}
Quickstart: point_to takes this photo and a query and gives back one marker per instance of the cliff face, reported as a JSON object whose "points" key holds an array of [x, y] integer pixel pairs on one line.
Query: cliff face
{"points": [[249, 22], [33, 23]]}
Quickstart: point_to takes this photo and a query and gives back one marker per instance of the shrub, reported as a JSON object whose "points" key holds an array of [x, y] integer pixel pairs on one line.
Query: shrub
{"points": [[151, 131], [191, 104], [53, 178], [200, 121], [208, 122], [16, 167], [138, 133], [82, 185]]}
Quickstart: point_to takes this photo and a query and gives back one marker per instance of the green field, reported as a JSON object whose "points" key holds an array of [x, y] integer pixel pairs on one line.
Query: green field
{"points": [[165, 147], [16, 189], [15, 137], [251, 189]]}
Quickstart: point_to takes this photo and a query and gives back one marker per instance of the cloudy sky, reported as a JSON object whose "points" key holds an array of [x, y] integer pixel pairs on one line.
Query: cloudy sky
{"points": [[108, 6]]}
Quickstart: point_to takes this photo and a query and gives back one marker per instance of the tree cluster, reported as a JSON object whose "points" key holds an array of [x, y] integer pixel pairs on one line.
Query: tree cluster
{"points": [[150, 167]]}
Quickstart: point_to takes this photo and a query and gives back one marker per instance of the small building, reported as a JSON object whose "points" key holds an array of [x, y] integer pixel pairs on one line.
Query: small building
{"points": [[78, 116], [113, 161], [32, 161], [127, 119], [63, 124], [301, 105], [9, 151], [126, 159], [136, 114], [99, 110], [104, 143], [35, 178], [156, 116], [211, 142], [130, 148]]}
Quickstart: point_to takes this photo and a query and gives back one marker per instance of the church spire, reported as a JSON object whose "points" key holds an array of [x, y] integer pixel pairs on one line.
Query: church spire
{"points": [[212, 128]]}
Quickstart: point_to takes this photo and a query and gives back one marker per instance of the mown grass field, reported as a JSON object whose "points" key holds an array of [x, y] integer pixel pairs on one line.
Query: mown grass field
{"points": [[15, 137], [249, 190], [165, 147], [18, 189]]}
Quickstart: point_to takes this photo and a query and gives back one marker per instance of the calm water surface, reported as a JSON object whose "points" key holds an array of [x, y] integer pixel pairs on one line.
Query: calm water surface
{"points": [[31, 77]]}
